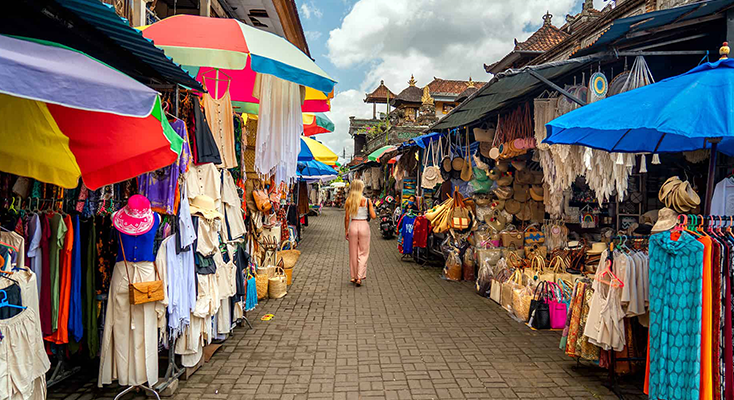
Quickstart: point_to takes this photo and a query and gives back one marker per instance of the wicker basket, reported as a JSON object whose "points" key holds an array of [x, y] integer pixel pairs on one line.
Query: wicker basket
{"points": [[261, 282], [278, 285], [266, 271]]}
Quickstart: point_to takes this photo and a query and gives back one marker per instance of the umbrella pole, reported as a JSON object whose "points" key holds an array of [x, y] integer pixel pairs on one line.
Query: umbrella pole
{"points": [[711, 174]]}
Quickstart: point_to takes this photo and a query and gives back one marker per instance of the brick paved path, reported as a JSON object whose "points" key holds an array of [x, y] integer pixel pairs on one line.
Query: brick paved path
{"points": [[406, 333]]}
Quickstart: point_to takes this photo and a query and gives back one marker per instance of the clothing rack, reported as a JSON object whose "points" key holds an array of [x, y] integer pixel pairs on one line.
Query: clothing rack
{"points": [[613, 383]]}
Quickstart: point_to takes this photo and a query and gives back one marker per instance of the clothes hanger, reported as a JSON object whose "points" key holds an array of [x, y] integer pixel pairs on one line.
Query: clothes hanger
{"points": [[4, 301], [614, 280]]}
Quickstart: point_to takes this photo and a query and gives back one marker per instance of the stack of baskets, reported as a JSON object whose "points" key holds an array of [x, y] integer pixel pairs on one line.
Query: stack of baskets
{"points": [[289, 259]]}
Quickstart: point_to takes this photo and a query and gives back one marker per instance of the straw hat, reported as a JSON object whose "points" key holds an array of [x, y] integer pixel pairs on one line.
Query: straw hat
{"points": [[667, 218], [204, 206], [503, 192], [503, 166], [522, 192], [596, 248], [519, 165], [513, 206], [136, 218], [505, 180], [536, 192], [678, 195]]}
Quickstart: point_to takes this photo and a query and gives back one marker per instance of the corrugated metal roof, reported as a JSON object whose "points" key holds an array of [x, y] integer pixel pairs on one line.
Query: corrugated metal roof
{"points": [[506, 88], [625, 26], [104, 19]]}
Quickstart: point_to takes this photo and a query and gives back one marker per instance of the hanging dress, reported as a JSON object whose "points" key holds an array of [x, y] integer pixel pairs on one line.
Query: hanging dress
{"points": [[676, 282], [129, 352]]}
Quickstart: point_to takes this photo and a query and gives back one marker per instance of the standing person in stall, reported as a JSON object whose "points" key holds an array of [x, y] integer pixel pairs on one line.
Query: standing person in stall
{"points": [[357, 230]]}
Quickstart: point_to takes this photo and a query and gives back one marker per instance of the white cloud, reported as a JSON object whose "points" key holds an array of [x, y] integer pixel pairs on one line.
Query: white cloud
{"points": [[343, 105], [312, 35], [310, 9], [306, 11], [398, 37]]}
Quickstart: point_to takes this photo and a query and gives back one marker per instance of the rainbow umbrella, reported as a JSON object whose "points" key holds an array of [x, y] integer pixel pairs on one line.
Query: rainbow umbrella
{"points": [[227, 54], [316, 123], [314, 150], [64, 115], [375, 155]]}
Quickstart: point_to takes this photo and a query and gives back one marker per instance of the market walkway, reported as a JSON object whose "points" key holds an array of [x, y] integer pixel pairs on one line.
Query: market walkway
{"points": [[405, 334]]}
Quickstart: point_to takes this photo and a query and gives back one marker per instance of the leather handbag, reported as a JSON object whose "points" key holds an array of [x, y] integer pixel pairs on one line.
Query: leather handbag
{"points": [[143, 292], [539, 306], [262, 200]]}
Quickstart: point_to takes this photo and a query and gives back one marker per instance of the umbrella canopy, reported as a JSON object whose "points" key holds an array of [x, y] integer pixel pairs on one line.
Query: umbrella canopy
{"points": [[316, 123], [314, 169], [227, 44], [673, 115], [314, 150], [375, 155], [64, 115]]}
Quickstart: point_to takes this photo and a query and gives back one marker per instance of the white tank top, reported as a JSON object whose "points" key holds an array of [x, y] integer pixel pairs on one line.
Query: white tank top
{"points": [[361, 214]]}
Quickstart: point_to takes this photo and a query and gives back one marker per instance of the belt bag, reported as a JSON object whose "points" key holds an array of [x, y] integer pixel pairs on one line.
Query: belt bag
{"points": [[143, 292]]}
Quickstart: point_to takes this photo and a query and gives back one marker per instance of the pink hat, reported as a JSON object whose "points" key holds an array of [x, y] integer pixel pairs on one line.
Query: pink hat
{"points": [[136, 218]]}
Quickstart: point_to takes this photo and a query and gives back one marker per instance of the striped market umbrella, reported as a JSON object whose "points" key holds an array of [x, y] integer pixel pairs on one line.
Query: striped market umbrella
{"points": [[226, 54], [64, 115], [375, 155], [316, 123], [315, 150]]}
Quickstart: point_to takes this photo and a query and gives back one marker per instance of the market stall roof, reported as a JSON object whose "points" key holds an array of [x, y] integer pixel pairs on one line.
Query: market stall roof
{"points": [[94, 28], [630, 29], [420, 141], [507, 87], [377, 154]]}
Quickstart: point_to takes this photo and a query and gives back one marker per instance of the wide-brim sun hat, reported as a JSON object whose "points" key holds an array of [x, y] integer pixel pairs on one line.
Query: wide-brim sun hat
{"points": [[596, 248], [136, 218], [667, 218], [204, 206]]}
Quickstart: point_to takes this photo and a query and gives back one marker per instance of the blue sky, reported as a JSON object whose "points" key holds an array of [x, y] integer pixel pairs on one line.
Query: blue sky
{"points": [[360, 42]]}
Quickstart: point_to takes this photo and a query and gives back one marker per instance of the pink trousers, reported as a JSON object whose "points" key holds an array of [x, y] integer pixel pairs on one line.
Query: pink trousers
{"points": [[359, 248]]}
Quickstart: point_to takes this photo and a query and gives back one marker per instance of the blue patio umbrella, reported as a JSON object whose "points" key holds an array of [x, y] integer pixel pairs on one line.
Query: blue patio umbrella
{"points": [[687, 112], [314, 169]]}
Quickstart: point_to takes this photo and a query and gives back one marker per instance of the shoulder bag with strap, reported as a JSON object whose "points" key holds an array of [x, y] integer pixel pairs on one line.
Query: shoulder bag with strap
{"points": [[142, 292]]}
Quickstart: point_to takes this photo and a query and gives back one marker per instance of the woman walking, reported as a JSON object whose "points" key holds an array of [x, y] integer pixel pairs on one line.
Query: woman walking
{"points": [[357, 230]]}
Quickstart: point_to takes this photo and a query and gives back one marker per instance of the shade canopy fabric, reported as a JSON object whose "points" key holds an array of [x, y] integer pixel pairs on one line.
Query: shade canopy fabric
{"points": [[314, 169], [228, 43], [316, 123], [673, 115], [117, 130], [422, 141], [375, 155], [315, 150], [52, 73]]}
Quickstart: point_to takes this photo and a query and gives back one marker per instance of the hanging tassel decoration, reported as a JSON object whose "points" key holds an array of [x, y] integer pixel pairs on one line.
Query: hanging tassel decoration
{"points": [[643, 164], [656, 159], [620, 159]]}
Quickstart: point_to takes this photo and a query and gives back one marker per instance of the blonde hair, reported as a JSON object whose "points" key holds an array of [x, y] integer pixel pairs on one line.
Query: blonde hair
{"points": [[354, 200]]}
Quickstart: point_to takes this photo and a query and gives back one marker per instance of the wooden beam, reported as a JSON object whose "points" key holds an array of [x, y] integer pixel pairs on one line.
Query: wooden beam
{"points": [[218, 9], [291, 23], [205, 7], [556, 87]]}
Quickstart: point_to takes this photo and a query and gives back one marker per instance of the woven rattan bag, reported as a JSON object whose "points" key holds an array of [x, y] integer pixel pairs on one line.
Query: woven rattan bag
{"points": [[261, 282], [278, 285]]}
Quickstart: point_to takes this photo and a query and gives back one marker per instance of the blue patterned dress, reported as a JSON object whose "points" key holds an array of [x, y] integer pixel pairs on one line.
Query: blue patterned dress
{"points": [[676, 293]]}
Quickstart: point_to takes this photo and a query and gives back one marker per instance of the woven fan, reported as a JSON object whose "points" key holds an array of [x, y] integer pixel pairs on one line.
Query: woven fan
{"points": [[615, 87]]}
